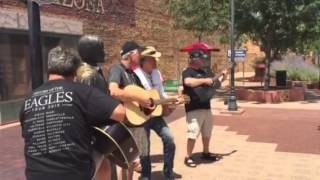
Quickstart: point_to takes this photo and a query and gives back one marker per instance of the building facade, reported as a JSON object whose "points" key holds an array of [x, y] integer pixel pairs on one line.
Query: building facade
{"points": [[64, 21]]}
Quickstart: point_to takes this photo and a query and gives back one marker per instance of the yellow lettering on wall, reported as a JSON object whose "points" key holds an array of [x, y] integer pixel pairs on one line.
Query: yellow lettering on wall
{"points": [[94, 6], [58, 2], [79, 4], [68, 3], [100, 8], [89, 6]]}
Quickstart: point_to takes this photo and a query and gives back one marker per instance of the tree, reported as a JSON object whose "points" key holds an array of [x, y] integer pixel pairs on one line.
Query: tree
{"points": [[278, 25], [201, 17]]}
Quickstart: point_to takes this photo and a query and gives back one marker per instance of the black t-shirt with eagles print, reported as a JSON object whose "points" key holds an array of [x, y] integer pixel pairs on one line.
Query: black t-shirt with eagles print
{"points": [[56, 121]]}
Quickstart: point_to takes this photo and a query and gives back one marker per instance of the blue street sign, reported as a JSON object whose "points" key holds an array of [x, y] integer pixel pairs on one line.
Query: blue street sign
{"points": [[238, 53]]}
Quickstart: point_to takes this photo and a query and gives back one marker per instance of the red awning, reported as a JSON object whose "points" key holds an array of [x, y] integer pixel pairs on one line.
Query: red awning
{"points": [[199, 45]]}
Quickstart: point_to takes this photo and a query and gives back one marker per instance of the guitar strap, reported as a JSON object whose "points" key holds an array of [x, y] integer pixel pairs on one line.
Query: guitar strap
{"points": [[131, 77], [101, 73]]}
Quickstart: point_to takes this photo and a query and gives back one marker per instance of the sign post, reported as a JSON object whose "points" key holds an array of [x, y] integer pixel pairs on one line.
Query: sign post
{"points": [[35, 43], [232, 100], [319, 68], [35, 40], [239, 56]]}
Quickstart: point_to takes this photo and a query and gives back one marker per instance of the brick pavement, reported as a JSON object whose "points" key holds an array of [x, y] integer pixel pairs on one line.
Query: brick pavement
{"points": [[243, 159], [252, 147]]}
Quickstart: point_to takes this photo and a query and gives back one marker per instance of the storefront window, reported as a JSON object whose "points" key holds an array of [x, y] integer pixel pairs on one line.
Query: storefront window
{"points": [[15, 76]]}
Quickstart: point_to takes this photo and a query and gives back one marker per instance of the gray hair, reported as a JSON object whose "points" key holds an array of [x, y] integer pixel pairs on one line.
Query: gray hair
{"points": [[63, 61]]}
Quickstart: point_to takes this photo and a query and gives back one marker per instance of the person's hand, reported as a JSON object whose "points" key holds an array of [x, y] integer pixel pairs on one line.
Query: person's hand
{"points": [[180, 99], [224, 72], [224, 75], [209, 81], [145, 101], [136, 166]]}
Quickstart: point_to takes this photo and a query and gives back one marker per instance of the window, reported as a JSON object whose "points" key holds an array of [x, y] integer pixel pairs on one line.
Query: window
{"points": [[15, 76]]}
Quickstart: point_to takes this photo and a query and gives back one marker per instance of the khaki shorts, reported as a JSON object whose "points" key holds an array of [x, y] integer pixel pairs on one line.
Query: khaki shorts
{"points": [[199, 120]]}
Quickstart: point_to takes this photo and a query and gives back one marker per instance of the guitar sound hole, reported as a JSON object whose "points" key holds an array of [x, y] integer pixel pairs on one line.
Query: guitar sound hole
{"points": [[146, 111]]}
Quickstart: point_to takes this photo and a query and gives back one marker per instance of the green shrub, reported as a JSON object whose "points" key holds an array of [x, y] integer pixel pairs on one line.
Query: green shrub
{"points": [[297, 69]]}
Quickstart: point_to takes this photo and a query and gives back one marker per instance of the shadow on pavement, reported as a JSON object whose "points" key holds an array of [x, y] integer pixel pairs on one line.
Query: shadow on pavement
{"points": [[157, 158], [219, 156], [158, 175]]}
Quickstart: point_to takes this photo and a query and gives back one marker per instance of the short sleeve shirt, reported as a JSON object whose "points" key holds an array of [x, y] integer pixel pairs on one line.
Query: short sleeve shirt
{"points": [[123, 77], [196, 102], [56, 121]]}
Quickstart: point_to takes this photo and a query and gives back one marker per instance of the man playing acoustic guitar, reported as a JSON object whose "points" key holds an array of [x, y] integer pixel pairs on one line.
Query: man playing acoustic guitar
{"points": [[150, 77], [196, 83], [121, 75]]}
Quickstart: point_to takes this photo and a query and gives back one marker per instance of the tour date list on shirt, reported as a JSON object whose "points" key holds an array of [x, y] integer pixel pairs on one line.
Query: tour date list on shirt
{"points": [[47, 122]]}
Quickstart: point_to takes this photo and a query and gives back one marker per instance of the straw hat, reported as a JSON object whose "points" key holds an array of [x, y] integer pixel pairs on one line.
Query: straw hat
{"points": [[151, 51]]}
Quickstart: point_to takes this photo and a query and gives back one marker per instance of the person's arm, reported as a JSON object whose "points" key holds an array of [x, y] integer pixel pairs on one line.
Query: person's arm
{"points": [[194, 82], [118, 113], [124, 96], [157, 82], [102, 107], [114, 80]]}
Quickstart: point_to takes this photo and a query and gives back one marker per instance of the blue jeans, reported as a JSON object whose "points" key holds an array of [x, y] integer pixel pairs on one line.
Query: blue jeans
{"points": [[160, 127]]}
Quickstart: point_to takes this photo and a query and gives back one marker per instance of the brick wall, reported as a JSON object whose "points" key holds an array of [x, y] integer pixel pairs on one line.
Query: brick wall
{"points": [[142, 20]]}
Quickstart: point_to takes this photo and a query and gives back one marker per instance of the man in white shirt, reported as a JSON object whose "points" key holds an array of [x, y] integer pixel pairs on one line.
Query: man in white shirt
{"points": [[150, 78]]}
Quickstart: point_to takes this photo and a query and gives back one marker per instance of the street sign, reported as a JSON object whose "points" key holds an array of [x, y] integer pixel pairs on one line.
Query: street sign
{"points": [[239, 55]]}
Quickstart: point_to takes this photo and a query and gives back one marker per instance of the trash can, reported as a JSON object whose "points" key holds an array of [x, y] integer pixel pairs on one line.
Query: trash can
{"points": [[281, 78]]}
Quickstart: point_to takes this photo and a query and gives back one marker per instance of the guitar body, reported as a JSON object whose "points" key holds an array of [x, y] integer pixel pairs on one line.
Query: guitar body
{"points": [[136, 114], [157, 111], [116, 141]]}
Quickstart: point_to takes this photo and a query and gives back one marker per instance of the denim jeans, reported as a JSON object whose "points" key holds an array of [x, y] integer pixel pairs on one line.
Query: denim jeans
{"points": [[160, 127]]}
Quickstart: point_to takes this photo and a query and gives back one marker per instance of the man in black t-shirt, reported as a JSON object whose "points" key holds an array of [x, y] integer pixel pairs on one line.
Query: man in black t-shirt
{"points": [[56, 121], [199, 116], [121, 75], [91, 51]]}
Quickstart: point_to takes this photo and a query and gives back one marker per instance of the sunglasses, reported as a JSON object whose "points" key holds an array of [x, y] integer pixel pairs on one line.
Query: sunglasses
{"points": [[199, 55]]}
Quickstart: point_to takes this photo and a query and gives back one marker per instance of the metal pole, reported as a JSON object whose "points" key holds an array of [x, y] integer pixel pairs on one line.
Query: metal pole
{"points": [[35, 44], [319, 68], [232, 101]]}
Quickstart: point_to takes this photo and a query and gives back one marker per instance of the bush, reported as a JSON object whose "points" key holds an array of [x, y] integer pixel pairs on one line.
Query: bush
{"points": [[297, 69]]}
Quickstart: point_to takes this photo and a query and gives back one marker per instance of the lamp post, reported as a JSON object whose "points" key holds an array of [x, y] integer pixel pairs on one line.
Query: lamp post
{"points": [[35, 43], [319, 68], [232, 100]]}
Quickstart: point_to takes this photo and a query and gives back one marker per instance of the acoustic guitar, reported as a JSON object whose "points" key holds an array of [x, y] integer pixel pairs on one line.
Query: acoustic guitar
{"points": [[116, 141], [137, 115], [204, 93]]}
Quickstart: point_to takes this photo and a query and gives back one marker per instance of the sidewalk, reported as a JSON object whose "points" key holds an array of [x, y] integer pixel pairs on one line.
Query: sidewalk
{"points": [[267, 142], [262, 144]]}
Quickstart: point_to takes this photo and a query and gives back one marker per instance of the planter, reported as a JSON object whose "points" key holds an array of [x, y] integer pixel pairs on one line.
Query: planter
{"points": [[259, 72], [300, 84], [313, 85], [271, 96]]}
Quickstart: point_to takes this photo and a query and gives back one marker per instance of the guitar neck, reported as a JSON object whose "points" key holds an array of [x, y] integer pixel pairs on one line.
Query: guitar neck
{"points": [[165, 101], [216, 77]]}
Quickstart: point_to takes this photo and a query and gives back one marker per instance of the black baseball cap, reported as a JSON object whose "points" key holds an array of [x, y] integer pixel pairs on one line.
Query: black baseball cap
{"points": [[129, 46]]}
